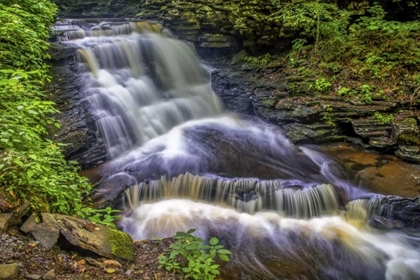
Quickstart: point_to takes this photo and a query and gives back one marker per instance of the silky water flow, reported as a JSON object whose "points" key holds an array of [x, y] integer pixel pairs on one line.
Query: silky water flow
{"points": [[285, 212]]}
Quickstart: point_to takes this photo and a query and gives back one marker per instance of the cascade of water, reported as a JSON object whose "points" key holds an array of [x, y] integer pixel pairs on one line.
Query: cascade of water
{"points": [[70, 31], [239, 177], [245, 195], [268, 246], [139, 91]]}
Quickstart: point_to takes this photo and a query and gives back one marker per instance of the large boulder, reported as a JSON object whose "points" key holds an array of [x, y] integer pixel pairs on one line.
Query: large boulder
{"points": [[99, 239]]}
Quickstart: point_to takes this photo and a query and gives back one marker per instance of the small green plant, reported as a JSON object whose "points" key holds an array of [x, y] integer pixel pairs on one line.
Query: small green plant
{"points": [[298, 44], [261, 60], [327, 117], [383, 119], [189, 255], [322, 85], [104, 216], [366, 90], [343, 91]]}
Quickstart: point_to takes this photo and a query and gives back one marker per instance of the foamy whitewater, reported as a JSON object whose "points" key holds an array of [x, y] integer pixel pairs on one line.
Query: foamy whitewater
{"points": [[283, 211]]}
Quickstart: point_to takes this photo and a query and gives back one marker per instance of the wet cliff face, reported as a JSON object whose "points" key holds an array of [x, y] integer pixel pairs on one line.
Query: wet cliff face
{"points": [[97, 8], [78, 125], [223, 25]]}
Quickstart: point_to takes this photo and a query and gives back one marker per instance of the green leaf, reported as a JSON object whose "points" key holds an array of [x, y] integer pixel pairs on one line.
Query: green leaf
{"points": [[30, 173], [224, 252], [214, 241], [214, 272], [224, 258], [19, 162]]}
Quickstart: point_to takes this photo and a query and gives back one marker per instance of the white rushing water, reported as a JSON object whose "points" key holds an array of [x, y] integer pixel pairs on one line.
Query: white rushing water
{"points": [[280, 209]]}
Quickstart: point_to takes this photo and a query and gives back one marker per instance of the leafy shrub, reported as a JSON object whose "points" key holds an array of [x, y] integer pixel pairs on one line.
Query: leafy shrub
{"points": [[192, 257], [370, 51], [322, 85], [32, 166], [262, 60], [383, 119]]}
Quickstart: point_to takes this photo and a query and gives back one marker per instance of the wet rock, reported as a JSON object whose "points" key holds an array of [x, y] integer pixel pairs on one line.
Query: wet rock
{"points": [[398, 212], [96, 8], [405, 132], [109, 192], [78, 126], [384, 223], [9, 271]]}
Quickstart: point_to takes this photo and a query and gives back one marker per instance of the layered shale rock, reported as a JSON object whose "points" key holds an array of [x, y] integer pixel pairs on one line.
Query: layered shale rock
{"points": [[78, 128]]}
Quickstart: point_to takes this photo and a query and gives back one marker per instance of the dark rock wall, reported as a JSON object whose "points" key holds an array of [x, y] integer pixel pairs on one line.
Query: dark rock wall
{"points": [[97, 8], [77, 123], [219, 27], [221, 24], [308, 118]]}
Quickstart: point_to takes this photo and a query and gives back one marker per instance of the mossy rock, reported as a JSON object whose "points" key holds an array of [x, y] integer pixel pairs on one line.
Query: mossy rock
{"points": [[100, 239], [121, 244], [409, 139]]}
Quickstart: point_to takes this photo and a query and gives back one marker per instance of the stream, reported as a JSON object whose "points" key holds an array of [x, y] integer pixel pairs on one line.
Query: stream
{"points": [[285, 212]]}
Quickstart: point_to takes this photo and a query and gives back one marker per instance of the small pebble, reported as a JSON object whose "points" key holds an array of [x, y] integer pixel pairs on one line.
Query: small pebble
{"points": [[50, 275], [110, 270], [33, 276], [112, 263]]}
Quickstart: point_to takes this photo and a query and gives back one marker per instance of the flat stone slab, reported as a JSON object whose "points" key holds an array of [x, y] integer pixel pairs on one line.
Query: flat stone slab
{"points": [[100, 239], [47, 232], [9, 271], [5, 220]]}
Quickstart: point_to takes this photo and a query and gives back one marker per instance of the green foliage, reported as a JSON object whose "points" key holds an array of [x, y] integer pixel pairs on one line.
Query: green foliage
{"points": [[189, 255], [298, 44], [344, 91], [322, 85], [366, 90], [369, 53], [261, 60], [304, 17], [383, 119], [327, 117], [32, 166]]}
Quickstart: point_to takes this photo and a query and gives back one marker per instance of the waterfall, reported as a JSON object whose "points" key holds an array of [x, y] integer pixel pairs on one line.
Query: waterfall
{"points": [[142, 85], [285, 212], [245, 195]]}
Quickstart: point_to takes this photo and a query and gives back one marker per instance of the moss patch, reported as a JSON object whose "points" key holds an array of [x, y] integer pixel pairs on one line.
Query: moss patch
{"points": [[408, 139], [121, 244]]}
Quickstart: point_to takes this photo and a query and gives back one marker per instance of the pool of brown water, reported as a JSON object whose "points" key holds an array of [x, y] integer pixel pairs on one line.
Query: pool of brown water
{"points": [[379, 173]]}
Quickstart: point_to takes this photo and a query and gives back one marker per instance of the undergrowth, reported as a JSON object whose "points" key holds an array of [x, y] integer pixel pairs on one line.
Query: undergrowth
{"points": [[32, 166], [195, 259], [364, 59]]}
